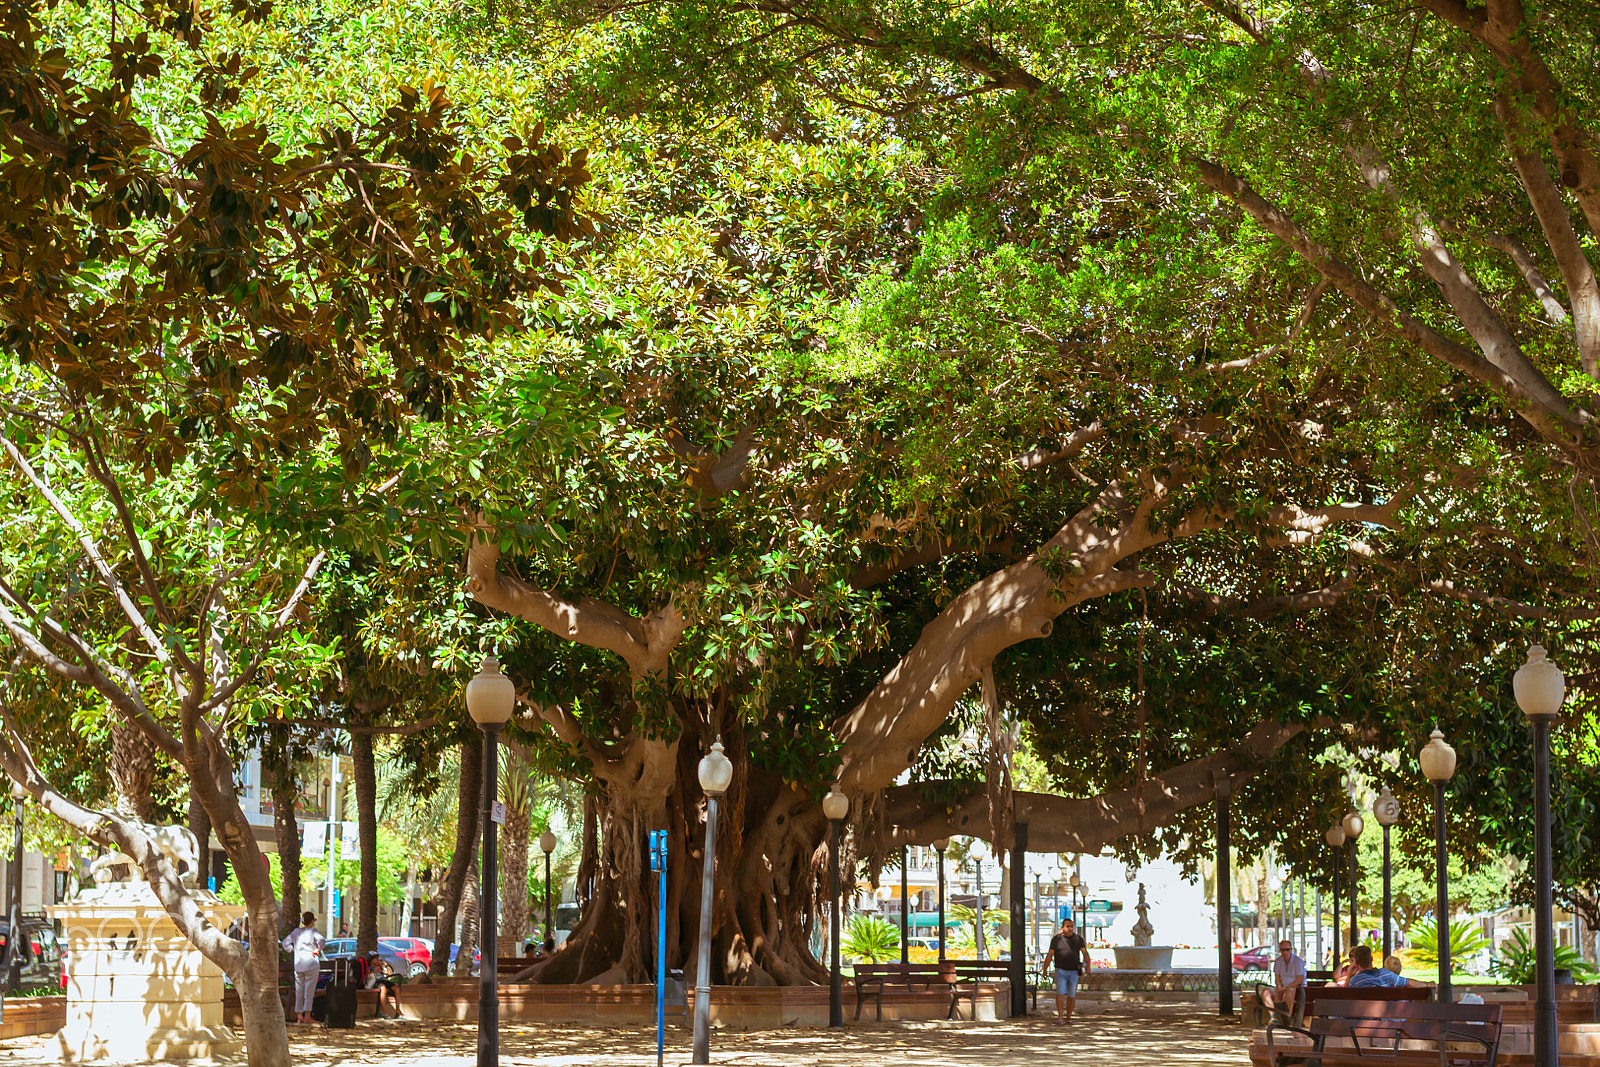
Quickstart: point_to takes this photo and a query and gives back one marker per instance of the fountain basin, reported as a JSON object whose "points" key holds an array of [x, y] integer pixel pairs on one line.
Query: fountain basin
{"points": [[1143, 957]]}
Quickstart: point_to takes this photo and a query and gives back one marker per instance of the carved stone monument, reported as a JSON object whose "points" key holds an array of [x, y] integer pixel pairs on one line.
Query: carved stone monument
{"points": [[137, 989], [1142, 955], [1142, 930]]}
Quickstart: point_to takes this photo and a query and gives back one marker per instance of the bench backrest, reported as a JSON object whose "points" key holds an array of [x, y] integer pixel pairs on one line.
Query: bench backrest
{"points": [[896, 971], [1330, 995], [1424, 1021]]}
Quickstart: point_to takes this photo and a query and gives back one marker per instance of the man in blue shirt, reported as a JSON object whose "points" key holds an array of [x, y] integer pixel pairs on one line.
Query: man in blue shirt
{"points": [[1368, 976]]}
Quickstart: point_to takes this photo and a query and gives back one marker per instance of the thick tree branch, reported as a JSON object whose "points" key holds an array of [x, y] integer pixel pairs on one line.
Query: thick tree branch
{"points": [[1067, 824], [147, 634], [1536, 400], [127, 837], [1577, 274], [644, 643]]}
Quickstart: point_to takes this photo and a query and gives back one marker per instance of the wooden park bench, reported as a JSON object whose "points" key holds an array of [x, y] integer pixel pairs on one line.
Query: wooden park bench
{"points": [[873, 978], [1362, 1033], [1257, 1016], [994, 971], [1334, 995]]}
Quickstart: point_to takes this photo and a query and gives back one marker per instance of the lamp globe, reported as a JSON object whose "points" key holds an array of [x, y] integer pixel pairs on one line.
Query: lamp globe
{"points": [[1335, 835], [491, 696], [1353, 825], [1386, 809], [547, 841], [1437, 758], [1539, 686], [716, 771]]}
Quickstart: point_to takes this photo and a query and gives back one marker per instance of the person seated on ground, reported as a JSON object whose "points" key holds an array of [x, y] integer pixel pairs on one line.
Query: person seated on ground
{"points": [[1367, 976], [381, 976], [1288, 977]]}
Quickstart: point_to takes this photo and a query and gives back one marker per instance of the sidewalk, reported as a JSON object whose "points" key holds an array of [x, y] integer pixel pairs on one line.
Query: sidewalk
{"points": [[1113, 1036]]}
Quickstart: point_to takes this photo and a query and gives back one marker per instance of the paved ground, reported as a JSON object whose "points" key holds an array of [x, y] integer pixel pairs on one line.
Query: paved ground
{"points": [[1118, 1036]]}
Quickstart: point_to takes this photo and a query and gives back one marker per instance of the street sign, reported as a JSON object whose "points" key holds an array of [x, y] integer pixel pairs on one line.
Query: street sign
{"points": [[1101, 905], [497, 812]]}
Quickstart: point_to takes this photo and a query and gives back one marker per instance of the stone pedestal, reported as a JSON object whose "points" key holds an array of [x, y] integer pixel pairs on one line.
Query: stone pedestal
{"points": [[136, 988]]}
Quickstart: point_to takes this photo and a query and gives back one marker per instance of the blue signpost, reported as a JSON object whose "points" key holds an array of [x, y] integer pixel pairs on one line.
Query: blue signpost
{"points": [[658, 863]]}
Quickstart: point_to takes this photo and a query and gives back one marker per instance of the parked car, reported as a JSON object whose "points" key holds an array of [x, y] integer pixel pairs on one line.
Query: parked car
{"points": [[417, 952], [44, 965], [344, 948], [1255, 959]]}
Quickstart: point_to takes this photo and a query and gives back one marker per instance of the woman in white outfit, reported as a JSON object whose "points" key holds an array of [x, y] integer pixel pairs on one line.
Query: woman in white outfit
{"points": [[306, 945]]}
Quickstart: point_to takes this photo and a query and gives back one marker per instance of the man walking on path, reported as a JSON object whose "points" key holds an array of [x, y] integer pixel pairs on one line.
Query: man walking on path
{"points": [[1288, 979], [306, 945], [1069, 956]]}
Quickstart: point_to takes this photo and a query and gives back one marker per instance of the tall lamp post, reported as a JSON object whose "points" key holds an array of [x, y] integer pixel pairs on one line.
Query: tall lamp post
{"points": [[716, 773], [1080, 912], [1386, 809], [905, 911], [15, 941], [1540, 689], [491, 696], [939, 846], [979, 852], [1335, 839], [1223, 784], [836, 806], [547, 842], [1352, 826], [1438, 764]]}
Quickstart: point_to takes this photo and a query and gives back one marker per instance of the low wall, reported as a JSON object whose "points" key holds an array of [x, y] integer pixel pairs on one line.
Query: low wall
{"points": [[26, 1016], [739, 1007]]}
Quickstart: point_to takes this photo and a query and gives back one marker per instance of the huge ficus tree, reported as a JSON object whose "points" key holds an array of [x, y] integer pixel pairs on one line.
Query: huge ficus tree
{"points": [[1064, 371], [189, 293]]}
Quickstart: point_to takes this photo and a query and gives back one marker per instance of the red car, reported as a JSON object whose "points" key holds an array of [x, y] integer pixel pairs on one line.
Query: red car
{"points": [[416, 951], [1254, 959]]}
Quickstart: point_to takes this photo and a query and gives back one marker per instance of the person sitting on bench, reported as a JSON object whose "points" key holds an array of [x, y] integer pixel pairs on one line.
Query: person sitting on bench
{"points": [[381, 976], [1369, 977], [1289, 978]]}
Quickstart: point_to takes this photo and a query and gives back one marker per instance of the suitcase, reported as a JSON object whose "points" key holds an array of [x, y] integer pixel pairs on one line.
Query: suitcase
{"points": [[341, 1000], [340, 996]]}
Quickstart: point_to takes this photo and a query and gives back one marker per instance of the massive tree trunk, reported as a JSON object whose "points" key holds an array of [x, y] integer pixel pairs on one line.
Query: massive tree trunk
{"points": [[286, 829], [366, 781], [469, 785]]}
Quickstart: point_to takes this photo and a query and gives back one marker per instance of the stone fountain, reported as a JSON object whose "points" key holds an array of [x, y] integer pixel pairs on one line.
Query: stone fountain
{"points": [[1142, 955], [137, 989]]}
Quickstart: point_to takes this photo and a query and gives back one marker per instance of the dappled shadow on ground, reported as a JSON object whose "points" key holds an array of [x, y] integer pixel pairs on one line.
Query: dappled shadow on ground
{"points": [[1119, 1036]]}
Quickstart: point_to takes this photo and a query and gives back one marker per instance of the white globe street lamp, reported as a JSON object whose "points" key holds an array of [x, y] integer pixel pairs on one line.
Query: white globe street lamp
{"points": [[1540, 688], [716, 774]]}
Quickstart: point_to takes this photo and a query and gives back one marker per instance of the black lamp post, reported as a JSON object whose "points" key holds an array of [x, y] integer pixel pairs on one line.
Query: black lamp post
{"points": [[835, 806], [1438, 764], [1540, 689], [491, 696], [1224, 789], [1352, 826], [547, 843], [939, 846], [1080, 903], [716, 774], [15, 939], [1335, 839], [1386, 809]]}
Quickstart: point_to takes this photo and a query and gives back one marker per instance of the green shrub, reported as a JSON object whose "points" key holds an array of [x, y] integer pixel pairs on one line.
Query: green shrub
{"points": [[869, 938], [1466, 941], [1517, 965]]}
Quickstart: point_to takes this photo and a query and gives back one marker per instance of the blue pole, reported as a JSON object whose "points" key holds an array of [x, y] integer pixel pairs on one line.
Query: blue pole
{"points": [[658, 860]]}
